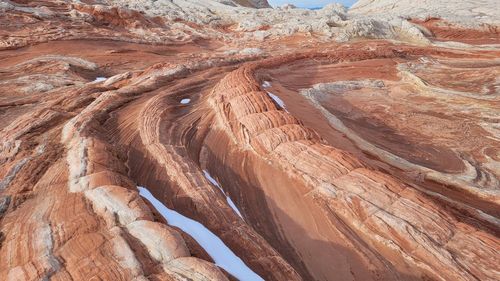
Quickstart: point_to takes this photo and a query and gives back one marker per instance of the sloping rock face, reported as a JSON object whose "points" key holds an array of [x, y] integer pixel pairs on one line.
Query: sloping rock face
{"points": [[253, 3], [133, 132]]}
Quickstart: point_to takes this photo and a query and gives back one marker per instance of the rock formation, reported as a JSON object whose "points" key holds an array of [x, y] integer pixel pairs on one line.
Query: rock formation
{"points": [[334, 144]]}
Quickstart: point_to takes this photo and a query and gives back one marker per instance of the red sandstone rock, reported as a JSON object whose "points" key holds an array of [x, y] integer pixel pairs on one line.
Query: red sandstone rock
{"points": [[382, 164]]}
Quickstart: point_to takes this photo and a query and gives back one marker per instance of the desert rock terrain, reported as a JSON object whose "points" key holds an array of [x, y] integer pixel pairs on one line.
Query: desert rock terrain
{"points": [[229, 140]]}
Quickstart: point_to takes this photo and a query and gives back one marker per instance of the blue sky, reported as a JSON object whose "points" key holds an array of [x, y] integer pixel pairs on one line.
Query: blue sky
{"points": [[310, 3]]}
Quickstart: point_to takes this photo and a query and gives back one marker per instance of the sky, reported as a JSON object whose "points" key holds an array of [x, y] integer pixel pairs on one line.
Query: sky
{"points": [[310, 3]]}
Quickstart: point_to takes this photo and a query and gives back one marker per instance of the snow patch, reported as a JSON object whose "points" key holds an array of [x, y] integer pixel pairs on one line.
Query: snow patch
{"points": [[185, 101], [213, 245], [266, 84], [277, 100], [228, 199], [100, 79]]}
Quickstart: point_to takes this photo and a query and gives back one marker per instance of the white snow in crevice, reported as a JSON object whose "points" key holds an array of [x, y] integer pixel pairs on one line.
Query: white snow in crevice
{"points": [[185, 101], [228, 199], [213, 245], [277, 100], [267, 84], [210, 178], [100, 79]]}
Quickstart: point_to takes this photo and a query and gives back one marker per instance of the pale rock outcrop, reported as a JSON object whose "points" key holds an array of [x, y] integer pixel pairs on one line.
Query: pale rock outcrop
{"points": [[467, 13]]}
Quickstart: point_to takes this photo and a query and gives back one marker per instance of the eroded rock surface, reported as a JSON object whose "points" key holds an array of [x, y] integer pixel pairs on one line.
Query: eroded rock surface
{"points": [[310, 155]]}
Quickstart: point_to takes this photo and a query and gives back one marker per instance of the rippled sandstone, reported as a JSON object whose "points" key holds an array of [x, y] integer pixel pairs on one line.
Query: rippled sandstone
{"points": [[335, 144]]}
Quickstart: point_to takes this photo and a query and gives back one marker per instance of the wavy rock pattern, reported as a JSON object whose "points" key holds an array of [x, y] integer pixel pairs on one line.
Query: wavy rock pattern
{"points": [[379, 209], [355, 161]]}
